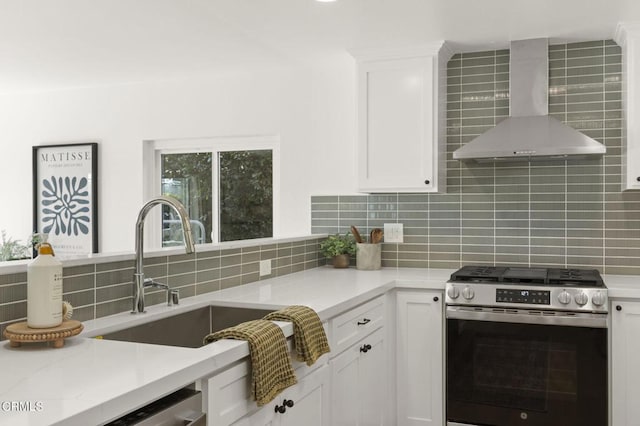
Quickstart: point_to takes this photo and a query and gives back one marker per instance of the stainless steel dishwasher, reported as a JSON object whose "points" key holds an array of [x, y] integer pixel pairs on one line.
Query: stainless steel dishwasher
{"points": [[181, 408]]}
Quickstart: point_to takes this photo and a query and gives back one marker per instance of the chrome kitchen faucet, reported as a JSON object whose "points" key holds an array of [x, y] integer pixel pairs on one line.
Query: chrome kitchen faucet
{"points": [[139, 281]]}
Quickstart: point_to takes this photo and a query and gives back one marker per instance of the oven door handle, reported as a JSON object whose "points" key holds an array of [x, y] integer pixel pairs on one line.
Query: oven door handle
{"points": [[520, 316]]}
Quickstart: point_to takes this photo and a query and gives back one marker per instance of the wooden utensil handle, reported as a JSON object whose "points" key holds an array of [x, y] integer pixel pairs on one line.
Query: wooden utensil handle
{"points": [[356, 234]]}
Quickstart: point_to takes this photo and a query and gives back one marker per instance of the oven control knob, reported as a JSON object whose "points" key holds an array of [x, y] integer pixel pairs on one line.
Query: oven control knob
{"points": [[468, 293], [564, 297], [581, 298], [598, 298], [453, 292]]}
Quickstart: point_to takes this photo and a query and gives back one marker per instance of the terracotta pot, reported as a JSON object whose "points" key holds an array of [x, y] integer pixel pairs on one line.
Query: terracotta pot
{"points": [[341, 261]]}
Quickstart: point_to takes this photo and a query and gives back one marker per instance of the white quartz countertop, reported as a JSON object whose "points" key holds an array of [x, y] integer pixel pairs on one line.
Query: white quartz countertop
{"points": [[92, 381], [622, 286]]}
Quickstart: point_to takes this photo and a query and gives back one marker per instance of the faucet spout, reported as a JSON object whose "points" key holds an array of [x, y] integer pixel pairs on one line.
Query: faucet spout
{"points": [[139, 280]]}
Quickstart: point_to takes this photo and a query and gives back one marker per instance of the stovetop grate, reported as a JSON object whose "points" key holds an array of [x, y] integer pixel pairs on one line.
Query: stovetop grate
{"points": [[532, 276]]}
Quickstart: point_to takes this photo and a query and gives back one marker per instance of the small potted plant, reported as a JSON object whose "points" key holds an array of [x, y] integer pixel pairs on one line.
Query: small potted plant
{"points": [[340, 248], [11, 249]]}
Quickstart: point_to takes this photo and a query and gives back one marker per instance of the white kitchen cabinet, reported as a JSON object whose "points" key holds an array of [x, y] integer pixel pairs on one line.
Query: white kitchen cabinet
{"points": [[625, 368], [351, 326], [359, 366], [348, 387], [228, 395], [303, 404], [228, 399], [358, 383], [628, 37], [401, 119], [419, 358]]}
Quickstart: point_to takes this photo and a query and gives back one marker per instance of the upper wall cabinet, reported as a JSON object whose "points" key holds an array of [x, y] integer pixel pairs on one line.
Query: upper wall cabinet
{"points": [[402, 119], [628, 38]]}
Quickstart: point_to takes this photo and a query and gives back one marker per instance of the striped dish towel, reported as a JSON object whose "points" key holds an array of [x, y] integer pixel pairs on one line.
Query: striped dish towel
{"points": [[309, 336], [271, 370]]}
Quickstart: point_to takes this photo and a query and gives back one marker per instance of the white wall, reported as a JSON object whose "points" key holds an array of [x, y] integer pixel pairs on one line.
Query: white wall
{"points": [[313, 111]]}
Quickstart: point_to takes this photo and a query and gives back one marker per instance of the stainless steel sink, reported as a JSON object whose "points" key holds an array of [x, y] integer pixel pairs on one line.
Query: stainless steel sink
{"points": [[187, 329]]}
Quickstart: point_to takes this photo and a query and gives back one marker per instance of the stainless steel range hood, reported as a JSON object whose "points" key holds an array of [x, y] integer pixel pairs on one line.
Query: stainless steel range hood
{"points": [[529, 133]]}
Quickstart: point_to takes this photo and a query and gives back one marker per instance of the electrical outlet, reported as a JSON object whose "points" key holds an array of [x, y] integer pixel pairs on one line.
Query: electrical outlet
{"points": [[265, 267], [393, 233]]}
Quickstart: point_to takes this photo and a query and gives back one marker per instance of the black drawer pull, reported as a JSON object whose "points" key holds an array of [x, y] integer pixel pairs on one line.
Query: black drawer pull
{"points": [[365, 348], [283, 408], [364, 321], [435, 299], [618, 308]]}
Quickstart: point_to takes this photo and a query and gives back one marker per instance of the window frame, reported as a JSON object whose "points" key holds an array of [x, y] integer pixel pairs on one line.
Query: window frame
{"points": [[152, 170]]}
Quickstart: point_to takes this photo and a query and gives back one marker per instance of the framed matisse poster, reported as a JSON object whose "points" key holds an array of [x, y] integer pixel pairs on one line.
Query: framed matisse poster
{"points": [[65, 194]]}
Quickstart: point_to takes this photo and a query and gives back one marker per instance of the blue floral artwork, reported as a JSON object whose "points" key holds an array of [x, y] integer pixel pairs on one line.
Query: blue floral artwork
{"points": [[65, 207]]}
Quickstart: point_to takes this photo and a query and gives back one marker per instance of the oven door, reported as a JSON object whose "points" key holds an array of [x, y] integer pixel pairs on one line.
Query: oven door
{"points": [[510, 370]]}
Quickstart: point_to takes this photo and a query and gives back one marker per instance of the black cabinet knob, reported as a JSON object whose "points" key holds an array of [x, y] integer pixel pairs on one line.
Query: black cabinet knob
{"points": [[365, 348], [436, 298], [638, 178], [427, 181], [618, 308], [283, 408]]}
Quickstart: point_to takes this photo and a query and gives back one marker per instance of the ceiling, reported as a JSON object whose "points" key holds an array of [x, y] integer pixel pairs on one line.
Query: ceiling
{"points": [[78, 43]]}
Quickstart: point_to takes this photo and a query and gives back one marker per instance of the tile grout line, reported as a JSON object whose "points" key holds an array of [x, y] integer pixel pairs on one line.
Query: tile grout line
{"points": [[95, 291], [495, 223], [566, 168], [604, 176], [529, 214]]}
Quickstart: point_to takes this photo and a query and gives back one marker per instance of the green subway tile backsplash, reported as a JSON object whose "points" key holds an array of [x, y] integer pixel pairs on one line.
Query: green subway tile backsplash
{"points": [[98, 290], [547, 213]]}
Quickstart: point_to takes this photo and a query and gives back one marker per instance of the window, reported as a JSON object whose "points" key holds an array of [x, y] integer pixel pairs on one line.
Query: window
{"points": [[226, 185], [246, 194]]}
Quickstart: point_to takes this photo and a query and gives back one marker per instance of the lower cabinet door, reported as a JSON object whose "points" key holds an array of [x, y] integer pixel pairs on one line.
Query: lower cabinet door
{"points": [[625, 369], [309, 402], [228, 396], [419, 358], [359, 383], [266, 416], [304, 404]]}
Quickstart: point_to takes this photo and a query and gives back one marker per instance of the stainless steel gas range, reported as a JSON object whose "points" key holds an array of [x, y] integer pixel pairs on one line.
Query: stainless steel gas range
{"points": [[526, 346]]}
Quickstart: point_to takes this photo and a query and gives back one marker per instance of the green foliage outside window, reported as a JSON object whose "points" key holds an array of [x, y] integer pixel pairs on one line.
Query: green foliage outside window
{"points": [[245, 190], [192, 174], [246, 195]]}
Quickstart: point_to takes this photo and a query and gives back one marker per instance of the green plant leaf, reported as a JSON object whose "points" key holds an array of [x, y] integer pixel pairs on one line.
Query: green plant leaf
{"points": [[338, 244]]}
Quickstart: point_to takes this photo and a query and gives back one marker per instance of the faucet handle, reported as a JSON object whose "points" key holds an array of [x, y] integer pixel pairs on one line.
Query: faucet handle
{"points": [[173, 297], [150, 282]]}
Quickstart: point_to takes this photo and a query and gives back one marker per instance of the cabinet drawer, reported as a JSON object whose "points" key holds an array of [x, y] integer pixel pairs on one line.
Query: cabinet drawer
{"points": [[351, 326]]}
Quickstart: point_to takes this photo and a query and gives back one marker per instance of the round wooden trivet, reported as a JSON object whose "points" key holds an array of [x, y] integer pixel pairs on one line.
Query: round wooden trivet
{"points": [[19, 333]]}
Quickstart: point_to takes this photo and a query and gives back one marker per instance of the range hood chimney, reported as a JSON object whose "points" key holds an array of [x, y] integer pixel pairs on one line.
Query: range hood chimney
{"points": [[529, 133]]}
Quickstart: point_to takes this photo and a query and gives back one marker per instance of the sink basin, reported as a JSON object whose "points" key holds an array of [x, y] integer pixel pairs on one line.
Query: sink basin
{"points": [[189, 328]]}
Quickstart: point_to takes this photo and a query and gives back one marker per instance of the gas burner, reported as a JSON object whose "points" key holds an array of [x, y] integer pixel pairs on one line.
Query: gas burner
{"points": [[531, 276], [478, 274], [575, 277]]}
